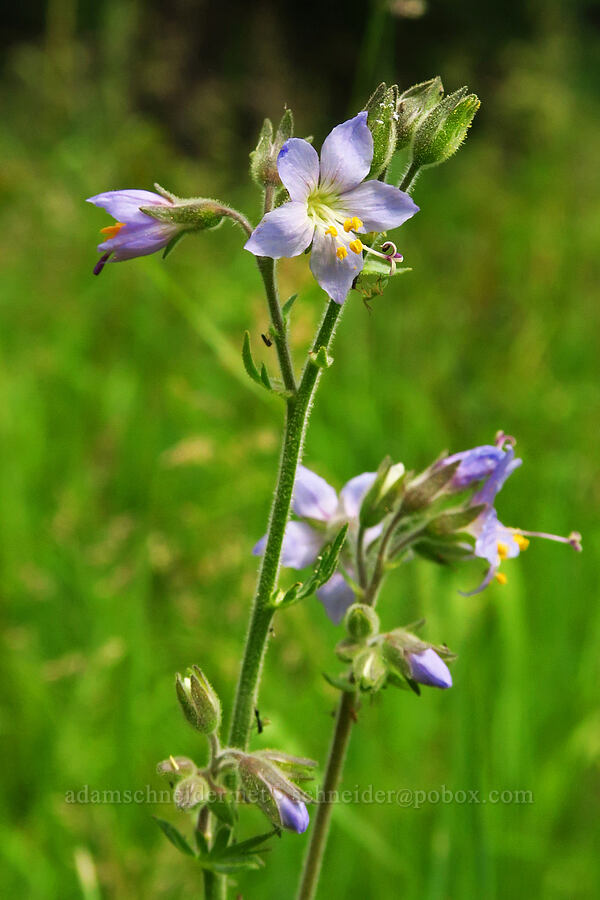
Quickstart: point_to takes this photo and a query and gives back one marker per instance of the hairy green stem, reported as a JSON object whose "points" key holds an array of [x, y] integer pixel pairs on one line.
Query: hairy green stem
{"points": [[266, 266], [335, 763], [298, 410]]}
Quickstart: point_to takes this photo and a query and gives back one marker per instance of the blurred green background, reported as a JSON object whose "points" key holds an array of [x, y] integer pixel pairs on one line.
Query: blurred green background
{"points": [[137, 461]]}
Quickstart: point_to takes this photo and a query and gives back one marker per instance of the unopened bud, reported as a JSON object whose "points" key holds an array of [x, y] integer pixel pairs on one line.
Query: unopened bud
{"points": [[417, 660], [361, 621], [198, 700], [422, 490], [368, 669], [442, 131], [283, 802], [413, 105], [381, 109], [263, 160], [191, 792], [383, 494], [176, 767]]}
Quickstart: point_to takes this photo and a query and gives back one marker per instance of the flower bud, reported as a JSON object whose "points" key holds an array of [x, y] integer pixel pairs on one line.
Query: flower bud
{"points": [[416, 660], [198, 700], [381, 109], [361, 621], [194, 214], [263, 160], [279, 798], [422, 490], [443, 130], [369, 669], [191, 792], [383, 494], [176, 767], [413, 105]]}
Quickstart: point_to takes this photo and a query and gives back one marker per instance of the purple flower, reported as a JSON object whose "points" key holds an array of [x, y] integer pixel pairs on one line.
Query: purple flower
{"points": [[494, 541], [429, 668], [314, 499], [330, 205], [293, 813], [134, 233]]}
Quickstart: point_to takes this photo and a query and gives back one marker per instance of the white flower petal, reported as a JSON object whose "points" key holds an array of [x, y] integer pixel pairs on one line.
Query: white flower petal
{"points": [[346, 155], [298, 167], [286, 231]]}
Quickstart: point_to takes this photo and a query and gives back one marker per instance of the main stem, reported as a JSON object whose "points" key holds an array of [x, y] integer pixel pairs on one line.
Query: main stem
{"points": [[335, 765], [297, 414]]}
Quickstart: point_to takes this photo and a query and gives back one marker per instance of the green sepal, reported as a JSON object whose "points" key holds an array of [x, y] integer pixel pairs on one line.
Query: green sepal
{"points": [[455, 519], [170, 246], [193, 214], [423, 489], [413, 105], [325, 567], [381, 109], [175, 836], [440, 134]]}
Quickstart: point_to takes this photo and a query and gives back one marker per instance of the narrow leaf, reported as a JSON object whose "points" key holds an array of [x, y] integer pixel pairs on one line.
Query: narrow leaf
{"points": [[249, 364], [176, 838]]}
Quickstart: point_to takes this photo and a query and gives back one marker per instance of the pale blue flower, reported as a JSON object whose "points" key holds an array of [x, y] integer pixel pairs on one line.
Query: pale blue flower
{"points": [[315, 500], [293, 813], [494, 541], [134, 233], [430, 669], [330, 205]]}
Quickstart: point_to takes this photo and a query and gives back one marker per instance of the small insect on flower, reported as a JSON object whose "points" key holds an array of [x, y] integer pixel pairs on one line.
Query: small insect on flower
{"points": [[330, 205]]}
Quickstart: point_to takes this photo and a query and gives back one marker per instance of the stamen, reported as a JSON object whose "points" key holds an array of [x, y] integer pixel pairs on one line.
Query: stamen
{"points": [[332, 230], [348, 224], [500, 577], [112, 230], [101, 263], [341, 253], [356, 246], [521, 542], [502, 550], [574, 539], [356, 223], [501, 439], [174, 763]]}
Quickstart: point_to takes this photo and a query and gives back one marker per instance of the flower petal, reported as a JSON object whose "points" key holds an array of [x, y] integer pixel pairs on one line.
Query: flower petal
{"points": [[346, 155], [124, 206], [336, 595], [351, 495], [505, 467], [430, 669], [293, 813], [301, 545], [380, 206], [313, 497], [137, 241], [285, 231], [334, 275], [298, 167]]}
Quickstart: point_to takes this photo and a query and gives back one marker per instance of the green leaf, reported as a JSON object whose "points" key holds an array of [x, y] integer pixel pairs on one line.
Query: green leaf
{"points": [[376, 266], [224, 810], [325, 567], [176, 838], [287, 306], [339, 681], [321, 358], [264, 377], [249, 364]]}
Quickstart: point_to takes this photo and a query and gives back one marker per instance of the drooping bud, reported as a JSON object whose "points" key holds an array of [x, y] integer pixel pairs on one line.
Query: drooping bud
{"points": [[176, 767], [381, 109], [417, 660], [283, 802], [263, 160], [440, 134], [191, 792], [198, 700], [361, 621], [369, 670], [413, 105], [383, 494], [193, 214]]}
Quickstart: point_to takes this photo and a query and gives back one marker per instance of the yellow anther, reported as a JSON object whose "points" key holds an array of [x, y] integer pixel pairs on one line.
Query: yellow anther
{"points": [[356, 246], [502, 550], [112, 230], [500, 577], [521, 542], [341, 253], [356, 222], [332, 230], [348, 226], [174, 763]]}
